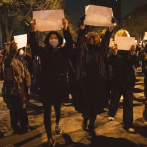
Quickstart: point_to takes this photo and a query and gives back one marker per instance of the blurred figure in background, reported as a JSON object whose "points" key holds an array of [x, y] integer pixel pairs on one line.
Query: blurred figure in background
{"points": [[145, 88], [14, 90]]}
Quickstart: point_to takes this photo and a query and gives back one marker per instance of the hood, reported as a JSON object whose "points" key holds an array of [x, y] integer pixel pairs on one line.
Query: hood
{"points": [[46, 41]]}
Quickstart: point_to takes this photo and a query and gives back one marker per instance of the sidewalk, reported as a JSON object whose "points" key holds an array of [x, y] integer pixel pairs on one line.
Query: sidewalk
{"points": [[109, 133]]}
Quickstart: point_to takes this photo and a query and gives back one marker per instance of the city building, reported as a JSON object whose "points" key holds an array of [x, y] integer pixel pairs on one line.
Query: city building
{"points": [[136, 22]]}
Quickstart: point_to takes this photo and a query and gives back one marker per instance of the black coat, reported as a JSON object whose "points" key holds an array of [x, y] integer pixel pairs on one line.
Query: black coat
{"points": [[91, 89], [54, 67], [122, 74]]}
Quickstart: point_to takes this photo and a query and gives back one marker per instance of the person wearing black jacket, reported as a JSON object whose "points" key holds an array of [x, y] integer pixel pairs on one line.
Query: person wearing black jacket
{"points": [[90, 92], [122, 82], [145, 88], [54, 73]]}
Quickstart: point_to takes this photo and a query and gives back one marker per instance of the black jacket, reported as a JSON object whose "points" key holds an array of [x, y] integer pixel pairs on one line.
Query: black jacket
{"points": [[91, 75], [54, 67], [122, 74]]}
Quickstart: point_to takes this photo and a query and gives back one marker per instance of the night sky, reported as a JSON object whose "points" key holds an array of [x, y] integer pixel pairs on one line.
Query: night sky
{"points": [[76, 8], [129, 5]]}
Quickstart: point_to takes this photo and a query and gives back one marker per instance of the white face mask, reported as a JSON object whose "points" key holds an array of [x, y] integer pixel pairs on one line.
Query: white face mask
{"points": [[54, 42], [21, 52]]}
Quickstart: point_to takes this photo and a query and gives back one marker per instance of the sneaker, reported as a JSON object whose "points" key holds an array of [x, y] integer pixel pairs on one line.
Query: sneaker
{"points": [[145, 122], [131, 130], [91, 130], [84, 124], [50, 142], [58, 129], [111, 118]]}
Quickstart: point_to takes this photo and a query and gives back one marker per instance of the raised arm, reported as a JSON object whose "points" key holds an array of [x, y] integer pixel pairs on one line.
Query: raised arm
{"points": [[33, 43], [105, 41], [68, 37]]}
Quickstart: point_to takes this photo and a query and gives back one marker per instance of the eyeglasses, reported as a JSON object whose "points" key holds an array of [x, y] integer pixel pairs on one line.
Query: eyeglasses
{"points": [[92, 35]]}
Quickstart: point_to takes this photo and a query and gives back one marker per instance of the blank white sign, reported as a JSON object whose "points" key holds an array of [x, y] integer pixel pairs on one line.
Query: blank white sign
{"points": [[21, 40], [124, 43], [48, 20], [98, 16]]}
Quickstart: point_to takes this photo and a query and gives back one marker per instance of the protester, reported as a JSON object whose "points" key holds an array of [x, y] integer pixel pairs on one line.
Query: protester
{"points": [[54, 74], [26, 60], [90, 92], [122, 81], [138, 51], [35, 87], [145, 89], [1, 65], [14, 90]]}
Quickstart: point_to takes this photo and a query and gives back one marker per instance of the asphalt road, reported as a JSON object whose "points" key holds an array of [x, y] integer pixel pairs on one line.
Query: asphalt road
{"points": [[109, 133]]}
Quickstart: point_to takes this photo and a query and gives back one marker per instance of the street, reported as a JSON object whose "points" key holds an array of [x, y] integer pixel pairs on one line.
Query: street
{"points": [[109, 133]]}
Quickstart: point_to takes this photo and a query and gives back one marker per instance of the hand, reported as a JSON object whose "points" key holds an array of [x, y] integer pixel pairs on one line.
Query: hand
{"points": [[82, 18], [113, 20], [115, 49], [82, 26], [133, 48], [110, 28], [65, 23], [33, 23]]}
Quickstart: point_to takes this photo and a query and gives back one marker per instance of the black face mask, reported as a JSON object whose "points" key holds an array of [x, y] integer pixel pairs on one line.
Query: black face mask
{"points": [[92, 46]]}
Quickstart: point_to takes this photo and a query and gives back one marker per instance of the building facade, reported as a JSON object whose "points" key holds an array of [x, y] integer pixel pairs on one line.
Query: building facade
{"points": [[114, 4], [136, 22]]}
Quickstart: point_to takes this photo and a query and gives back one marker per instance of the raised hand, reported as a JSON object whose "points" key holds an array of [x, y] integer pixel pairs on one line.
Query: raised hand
{"points": [[33, 23], [65, 23], [115, 49]]}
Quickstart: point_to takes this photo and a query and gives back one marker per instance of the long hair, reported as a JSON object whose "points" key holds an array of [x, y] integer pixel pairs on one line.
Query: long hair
{"points": [[121, 33]]}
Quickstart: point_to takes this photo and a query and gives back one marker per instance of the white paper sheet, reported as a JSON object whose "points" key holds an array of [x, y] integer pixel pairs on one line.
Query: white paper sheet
{"points": [[111, 42], [21, 40], [48, 20], [145, 36], [98, 16], [124, 43]]}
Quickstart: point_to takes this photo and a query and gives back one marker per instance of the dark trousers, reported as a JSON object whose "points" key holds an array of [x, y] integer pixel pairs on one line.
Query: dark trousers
{"points": [[145, 107], [47, 116], [19, 115], [91, 117], [127, 105]]}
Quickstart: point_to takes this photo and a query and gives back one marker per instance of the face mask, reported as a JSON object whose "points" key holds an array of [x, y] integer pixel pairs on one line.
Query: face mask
{"points": [[54, 42], [92, 46], [21, 52]]}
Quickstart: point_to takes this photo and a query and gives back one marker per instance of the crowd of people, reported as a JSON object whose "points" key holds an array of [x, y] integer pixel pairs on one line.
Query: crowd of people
{"points": [[96, 75]]}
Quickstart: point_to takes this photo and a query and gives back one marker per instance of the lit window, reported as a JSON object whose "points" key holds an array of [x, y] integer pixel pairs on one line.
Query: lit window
{"points": [[129, 16], [116, 0]]}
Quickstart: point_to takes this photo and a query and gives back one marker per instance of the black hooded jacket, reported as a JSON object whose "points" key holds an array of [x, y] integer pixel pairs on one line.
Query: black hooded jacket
{"points": [[54, 67], [91, 75]]}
